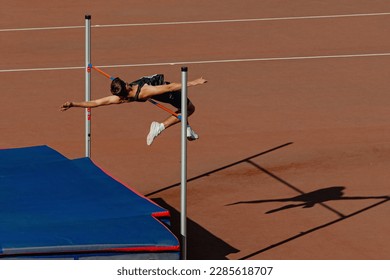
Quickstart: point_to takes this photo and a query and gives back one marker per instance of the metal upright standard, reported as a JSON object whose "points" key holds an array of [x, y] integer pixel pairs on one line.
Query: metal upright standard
{"points": [[87, 85], [183, 214]]}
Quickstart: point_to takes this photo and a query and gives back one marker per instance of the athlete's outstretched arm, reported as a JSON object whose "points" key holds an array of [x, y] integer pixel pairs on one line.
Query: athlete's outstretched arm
{"points": [[92, 104], [150, 91]]}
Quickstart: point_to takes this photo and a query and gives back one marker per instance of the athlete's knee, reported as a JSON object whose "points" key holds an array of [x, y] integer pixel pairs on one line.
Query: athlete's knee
{"points": [[190, 108]]}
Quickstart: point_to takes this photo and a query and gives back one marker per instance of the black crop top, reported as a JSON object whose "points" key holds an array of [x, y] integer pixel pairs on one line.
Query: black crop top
{"points": [[154, 80]]}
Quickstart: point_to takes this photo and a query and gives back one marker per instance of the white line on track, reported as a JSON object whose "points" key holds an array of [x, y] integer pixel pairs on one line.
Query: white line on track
{"points": [[195, 22], [201, 62]]}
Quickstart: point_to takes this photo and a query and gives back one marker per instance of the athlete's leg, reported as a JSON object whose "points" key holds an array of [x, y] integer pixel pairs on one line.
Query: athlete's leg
{"points": [[191, 135], [172, 120], [156, 128]]}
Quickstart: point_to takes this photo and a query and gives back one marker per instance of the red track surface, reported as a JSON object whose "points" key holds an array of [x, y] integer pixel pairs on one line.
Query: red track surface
{"points": [[293, 156]]}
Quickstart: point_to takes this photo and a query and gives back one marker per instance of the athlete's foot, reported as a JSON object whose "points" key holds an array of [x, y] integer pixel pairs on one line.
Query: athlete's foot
{"points": [[191, 135], [155, 129]]}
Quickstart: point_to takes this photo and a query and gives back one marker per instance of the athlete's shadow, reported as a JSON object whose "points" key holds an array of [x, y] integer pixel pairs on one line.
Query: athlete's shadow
{"points": [[308, 200]]}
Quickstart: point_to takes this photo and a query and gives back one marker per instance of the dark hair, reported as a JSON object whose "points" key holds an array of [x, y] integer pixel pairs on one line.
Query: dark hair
{"points": [[118, 87]]}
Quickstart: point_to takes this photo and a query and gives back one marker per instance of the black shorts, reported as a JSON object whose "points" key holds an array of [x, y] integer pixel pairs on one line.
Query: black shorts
{"points": [[172, 97]]}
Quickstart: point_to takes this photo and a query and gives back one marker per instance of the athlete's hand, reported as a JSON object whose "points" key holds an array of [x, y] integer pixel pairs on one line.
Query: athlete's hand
{"points": [[199, 81], [66, 106]]}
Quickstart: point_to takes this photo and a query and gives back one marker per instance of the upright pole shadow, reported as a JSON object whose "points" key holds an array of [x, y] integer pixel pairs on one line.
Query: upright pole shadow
{"points": [[202, 244]]}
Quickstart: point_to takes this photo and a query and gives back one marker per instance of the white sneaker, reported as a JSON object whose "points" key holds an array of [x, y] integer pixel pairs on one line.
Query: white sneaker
{"points": [[191, 135], [155, 129]]}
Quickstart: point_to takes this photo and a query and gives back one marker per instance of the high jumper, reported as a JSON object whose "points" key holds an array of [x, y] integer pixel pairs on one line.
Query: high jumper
{"points": [[141, 90]]}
